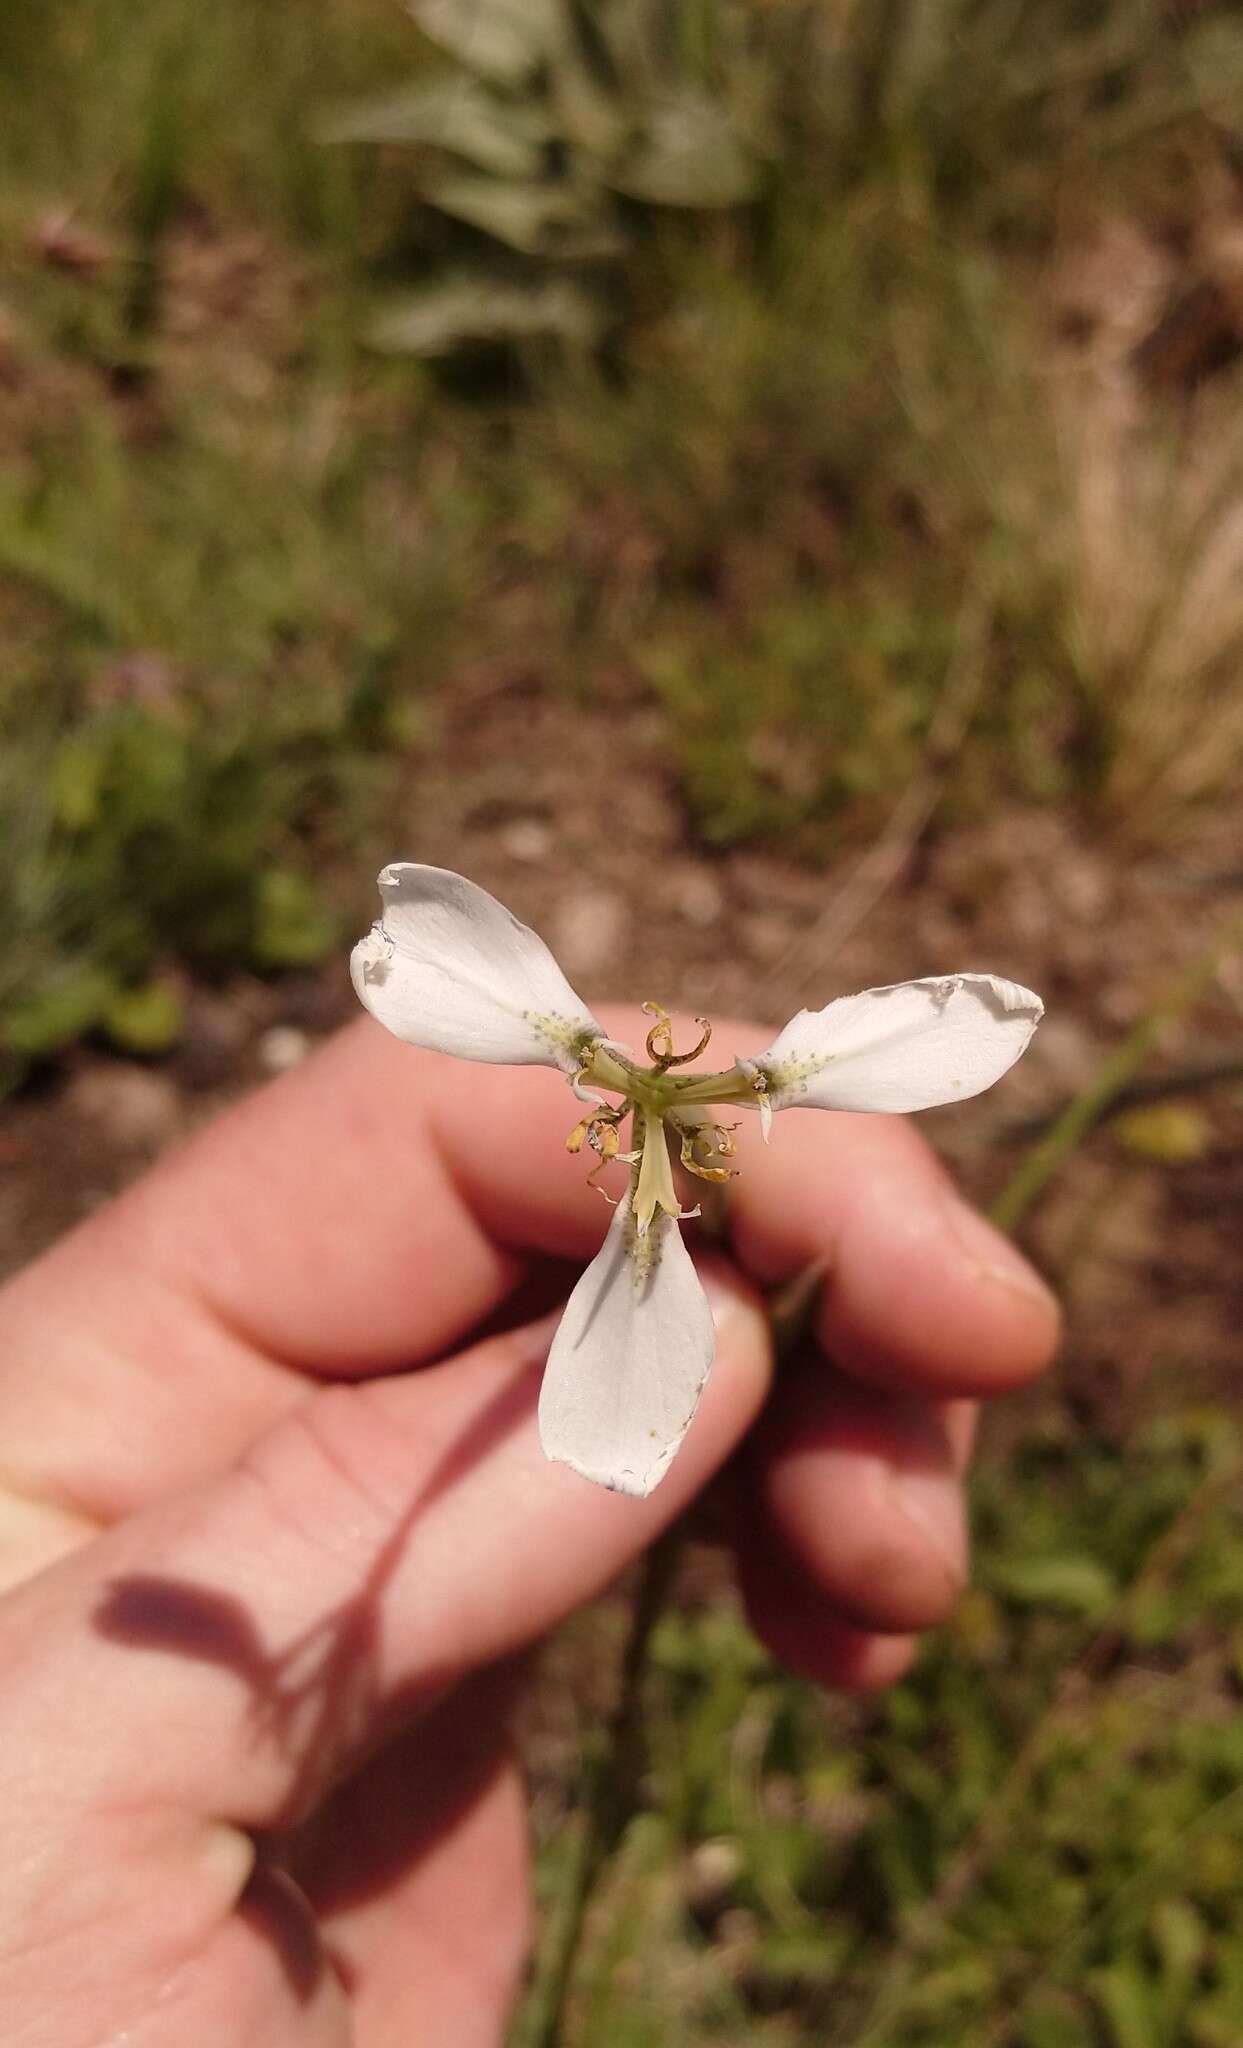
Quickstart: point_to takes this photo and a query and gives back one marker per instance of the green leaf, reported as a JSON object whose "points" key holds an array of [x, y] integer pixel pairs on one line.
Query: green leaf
{"points": [[293, 928], [501, 39], [1167, 1133], [76, 783], [794, 1959], [1075, 1584], [444, 317], [452, 114], [50, 1017], [588, 117], [1181, 1939], [144, 1020], [536, 216], [688, 155], [1125, 2000]]}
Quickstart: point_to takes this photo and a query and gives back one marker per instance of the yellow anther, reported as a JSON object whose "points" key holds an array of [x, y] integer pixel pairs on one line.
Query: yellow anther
{"points": [[690, 1139], [717, 1138], [683, 1058], [660, 1039], [599, 1130]]}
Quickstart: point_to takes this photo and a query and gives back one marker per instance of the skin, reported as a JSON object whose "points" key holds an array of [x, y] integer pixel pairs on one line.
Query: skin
{"points": [[277, 1530]]}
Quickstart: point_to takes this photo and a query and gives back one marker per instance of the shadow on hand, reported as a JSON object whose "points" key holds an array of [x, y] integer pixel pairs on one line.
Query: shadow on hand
{"points": [[319, 1698]]}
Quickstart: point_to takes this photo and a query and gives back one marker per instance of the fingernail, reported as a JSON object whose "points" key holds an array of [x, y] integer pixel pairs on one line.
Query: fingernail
{"points": [[936, 1508], [992, 1257]]}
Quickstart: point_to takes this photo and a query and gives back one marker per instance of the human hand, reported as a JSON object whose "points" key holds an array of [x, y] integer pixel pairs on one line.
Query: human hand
{"points": [[277, 1530]]}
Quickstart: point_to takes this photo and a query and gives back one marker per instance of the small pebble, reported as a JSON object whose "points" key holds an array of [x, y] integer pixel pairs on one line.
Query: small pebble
{"points": [[527, 840], [136, 1108], [713, 1869], [699, 900], [590, 929], [281, 1048]]}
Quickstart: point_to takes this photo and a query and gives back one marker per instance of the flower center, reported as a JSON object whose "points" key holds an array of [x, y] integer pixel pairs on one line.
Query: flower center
{"points": [[662, 1106]]}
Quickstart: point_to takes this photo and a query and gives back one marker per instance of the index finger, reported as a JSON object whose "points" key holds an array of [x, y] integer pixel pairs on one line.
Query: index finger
{"points": [[369, 1210]]}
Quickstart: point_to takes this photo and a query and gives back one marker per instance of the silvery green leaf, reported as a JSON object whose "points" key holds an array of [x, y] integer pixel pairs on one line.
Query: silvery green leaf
{"points": [[537, 217], [588, 112], [632, 36], [465, 309], [501, 39], [453, 114], [688, 155], [1073, 1583]]}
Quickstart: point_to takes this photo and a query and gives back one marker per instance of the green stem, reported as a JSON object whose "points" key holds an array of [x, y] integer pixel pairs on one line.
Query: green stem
{"points": [[611, 1798], [1112, 1078]]}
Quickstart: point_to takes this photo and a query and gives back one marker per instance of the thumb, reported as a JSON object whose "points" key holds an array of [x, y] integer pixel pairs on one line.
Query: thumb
{"points": [[232, 1652]]}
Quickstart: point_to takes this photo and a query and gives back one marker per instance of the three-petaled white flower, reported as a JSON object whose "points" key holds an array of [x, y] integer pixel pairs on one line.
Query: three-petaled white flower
{"points": [[447, 967]]}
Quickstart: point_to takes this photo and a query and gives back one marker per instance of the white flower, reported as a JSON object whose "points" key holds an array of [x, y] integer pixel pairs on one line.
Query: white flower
{"points": [[447, 967]]}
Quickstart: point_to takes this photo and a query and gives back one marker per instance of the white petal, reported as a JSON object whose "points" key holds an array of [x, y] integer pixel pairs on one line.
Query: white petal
{"points": [[448, 967], [908, 1047], [629, 1360]]}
